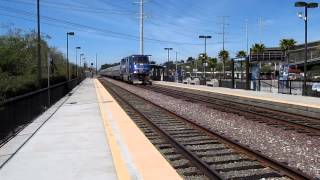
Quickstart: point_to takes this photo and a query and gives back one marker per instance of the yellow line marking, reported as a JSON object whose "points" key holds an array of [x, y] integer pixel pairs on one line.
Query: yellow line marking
{"points": [[121, 168]]}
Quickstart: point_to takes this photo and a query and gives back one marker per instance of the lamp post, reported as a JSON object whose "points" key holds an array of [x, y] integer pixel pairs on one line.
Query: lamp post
{"points": [[39, 72], [68, 70], [205, 42], [77, 48], [168, 49], [205, 50], [177, 75], [306, 6], [80, 64]]}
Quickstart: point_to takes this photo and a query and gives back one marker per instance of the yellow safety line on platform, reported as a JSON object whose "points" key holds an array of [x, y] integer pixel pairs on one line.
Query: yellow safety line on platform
{"points": [[121, 169]]}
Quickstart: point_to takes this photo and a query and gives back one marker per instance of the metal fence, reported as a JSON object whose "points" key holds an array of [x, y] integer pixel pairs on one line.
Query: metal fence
{"points": [[294, 87], [17, 112]]}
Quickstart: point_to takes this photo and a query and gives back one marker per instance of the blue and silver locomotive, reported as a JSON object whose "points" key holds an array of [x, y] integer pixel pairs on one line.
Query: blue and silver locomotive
{"points": [[134, 69]]}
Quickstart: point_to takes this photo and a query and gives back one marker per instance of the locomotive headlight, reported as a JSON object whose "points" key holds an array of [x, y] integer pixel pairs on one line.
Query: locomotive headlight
{"points": [[135, 72]]}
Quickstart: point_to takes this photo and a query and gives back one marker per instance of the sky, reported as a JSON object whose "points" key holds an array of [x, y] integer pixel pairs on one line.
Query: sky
{"points": [[110, 28]]}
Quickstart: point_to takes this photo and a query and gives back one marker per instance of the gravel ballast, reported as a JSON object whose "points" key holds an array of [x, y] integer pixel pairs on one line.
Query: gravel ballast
{"points": [[296, 150]]}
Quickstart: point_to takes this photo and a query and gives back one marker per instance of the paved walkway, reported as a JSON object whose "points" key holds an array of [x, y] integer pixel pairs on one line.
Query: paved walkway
{"points": [[71, 145], [85, 136], [281, 98]]}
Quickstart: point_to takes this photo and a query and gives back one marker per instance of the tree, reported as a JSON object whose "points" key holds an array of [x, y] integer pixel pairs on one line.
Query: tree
{"points": [[190, 59], [258, 48], [266, 68], [105, 66], [202, 58], [285, 45], [18, 65], [219, 66], [212, 63], [241, 54], [224, 56]]}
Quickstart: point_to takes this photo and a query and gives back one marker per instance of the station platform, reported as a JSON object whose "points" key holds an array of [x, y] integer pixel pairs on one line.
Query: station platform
{"points": [[296, 104], [86, 135]]}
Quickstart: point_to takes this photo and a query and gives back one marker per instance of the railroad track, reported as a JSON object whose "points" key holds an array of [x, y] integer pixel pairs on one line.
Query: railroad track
{"points": [[278, 119], [195, 151]]}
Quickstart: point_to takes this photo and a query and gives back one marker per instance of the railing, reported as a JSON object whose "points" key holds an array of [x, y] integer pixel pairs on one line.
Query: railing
{"points": [[294, 87], [17, 112], [268, 56]]}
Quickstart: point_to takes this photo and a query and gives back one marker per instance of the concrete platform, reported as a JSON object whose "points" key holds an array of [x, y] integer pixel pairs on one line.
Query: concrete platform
{"points": [[302, 105], [83, 137]]}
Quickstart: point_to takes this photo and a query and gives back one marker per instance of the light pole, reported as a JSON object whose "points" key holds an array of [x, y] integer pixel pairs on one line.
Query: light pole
{"points": [[96, 64], [177, 75], [77, 48], [39, 73], [48, 80], [205, 50], [141, 27], [68, 70], [205, 42], [80, 64], [168, 49], [306, 6]]}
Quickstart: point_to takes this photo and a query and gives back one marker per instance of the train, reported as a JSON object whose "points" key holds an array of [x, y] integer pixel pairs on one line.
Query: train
{"points": [[133, 69]]}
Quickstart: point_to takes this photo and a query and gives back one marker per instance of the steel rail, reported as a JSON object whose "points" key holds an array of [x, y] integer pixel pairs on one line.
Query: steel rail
{"points": [[278, 166]]}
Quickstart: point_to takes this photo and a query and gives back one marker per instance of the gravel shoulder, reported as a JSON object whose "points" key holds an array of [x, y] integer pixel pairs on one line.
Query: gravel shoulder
{"points": [[296, 150]]}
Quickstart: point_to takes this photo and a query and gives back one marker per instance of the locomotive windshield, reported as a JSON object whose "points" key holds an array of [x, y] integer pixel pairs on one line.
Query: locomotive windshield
{"points": [[141, 60]]}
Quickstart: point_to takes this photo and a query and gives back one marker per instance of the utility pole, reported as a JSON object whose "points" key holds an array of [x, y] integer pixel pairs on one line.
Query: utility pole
{"points": [[223, 33], [141, 27], [48, 80], [261, 29], [247, 58], [77, 73], [177, 66], [96, 64], [80, 64], [39, 45], [247, 50], [247, 36], [168, 49]]}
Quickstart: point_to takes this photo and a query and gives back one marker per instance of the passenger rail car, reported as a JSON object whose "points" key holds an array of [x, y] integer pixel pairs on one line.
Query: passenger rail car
{"points": [[134, 69]]}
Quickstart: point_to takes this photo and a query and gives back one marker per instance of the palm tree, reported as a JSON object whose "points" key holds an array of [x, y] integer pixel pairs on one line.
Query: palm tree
{"points": [[258, 48], [212, 62], [203, 58], [224, 56], [285, 45], [241, 54]]}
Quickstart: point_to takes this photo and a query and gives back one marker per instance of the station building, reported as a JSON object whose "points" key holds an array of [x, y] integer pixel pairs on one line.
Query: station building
{"points": [[275, 57], [296, 55]]}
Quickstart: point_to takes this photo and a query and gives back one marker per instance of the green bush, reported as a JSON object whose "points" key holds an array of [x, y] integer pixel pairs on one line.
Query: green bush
{"points": [[18, 64]]}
